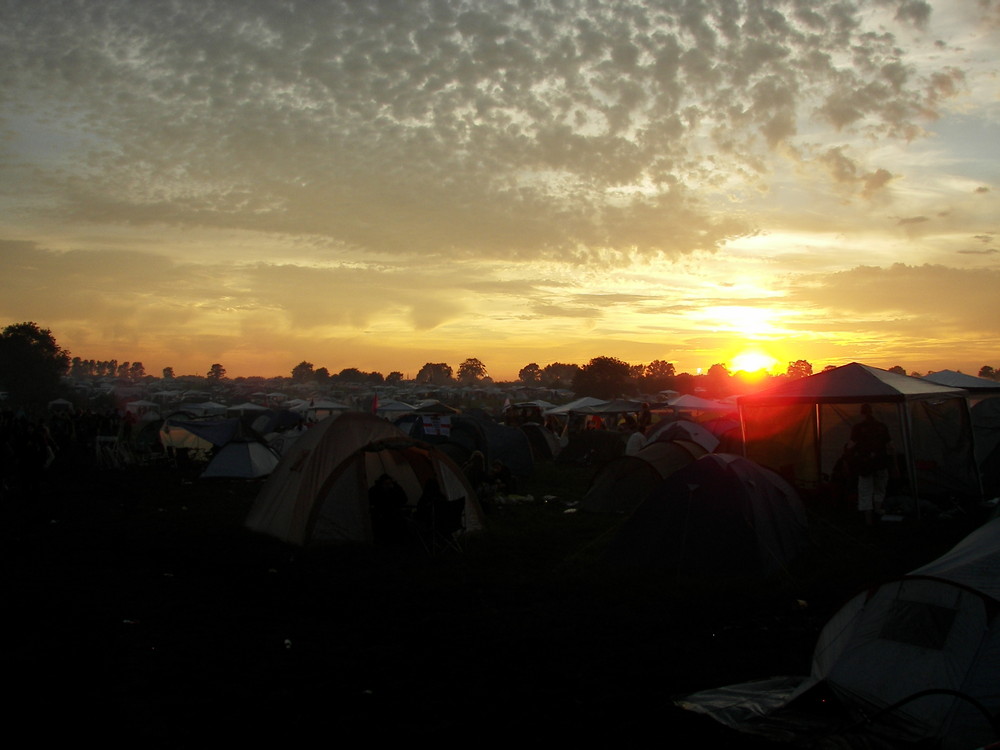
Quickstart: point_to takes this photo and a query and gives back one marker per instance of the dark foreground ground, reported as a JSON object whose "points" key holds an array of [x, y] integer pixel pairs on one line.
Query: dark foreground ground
{"points": [[139, 612]]}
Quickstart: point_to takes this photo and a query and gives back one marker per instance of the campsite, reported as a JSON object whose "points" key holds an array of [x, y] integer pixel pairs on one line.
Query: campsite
{"points": [[188, 579], [142, 611]]}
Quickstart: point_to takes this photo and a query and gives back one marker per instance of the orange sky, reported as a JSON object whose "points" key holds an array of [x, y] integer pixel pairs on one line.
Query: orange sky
{"points": [[383, 185]]}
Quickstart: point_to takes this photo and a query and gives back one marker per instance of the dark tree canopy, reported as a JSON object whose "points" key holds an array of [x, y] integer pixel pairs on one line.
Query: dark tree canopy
{"points": [[216, 372], [302, 372], [559, 375], [800, 368], [602, 377], [31, 363], [435, 373], [658, 375], [530, 374], [471, 370]]}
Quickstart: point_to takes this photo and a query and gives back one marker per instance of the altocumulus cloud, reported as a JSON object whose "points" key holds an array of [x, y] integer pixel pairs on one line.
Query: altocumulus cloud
{"points": [[574, 131]]}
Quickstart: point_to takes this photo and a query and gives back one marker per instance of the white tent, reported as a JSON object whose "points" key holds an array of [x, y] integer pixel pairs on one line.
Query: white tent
{"points": [[915, 658], [319, 491], [800, 428]]}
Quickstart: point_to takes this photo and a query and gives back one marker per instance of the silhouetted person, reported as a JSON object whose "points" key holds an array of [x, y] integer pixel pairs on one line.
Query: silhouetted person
{"points": [[870, 455], [386, 501]]}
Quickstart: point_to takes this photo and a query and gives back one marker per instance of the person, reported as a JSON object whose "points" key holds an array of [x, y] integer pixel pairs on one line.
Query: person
{"points": [[636, 440], [870, 456], [645, 418], [386, 501]]}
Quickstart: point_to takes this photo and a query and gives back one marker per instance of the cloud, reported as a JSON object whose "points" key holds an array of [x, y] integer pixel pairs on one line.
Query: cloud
{"points": [[930, 301], [461, 129]]}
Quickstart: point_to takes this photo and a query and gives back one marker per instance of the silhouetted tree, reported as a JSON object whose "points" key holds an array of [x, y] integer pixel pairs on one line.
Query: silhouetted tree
{"points": [[31, 363], [435, 373], [986, 371], [718, 381], [394, 377], [302, 372], [137, 371], [530, 374], [658, 375], [602, 377], [898, 370], [168, 373], [800, 368], [216, 372], [559, 375], [322, 375], [351, 375], [471, 371]]}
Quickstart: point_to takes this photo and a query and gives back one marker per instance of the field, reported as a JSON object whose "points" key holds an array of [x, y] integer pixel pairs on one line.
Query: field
{"points": [[140, 611]]}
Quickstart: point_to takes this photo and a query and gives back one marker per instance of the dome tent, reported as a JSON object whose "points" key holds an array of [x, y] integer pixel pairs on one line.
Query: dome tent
{"points": [[912, 660], [318, 493], [721, 515]]}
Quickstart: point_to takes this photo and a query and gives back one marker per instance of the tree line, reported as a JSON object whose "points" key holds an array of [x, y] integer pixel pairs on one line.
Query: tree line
{"points": [[32, 364]]}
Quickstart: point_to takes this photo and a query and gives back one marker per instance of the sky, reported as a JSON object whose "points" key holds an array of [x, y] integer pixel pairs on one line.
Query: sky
{"points": [[379, 185]]}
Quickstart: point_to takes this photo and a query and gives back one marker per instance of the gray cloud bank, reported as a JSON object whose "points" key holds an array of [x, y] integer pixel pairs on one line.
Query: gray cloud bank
{"points": [[569, 130]]}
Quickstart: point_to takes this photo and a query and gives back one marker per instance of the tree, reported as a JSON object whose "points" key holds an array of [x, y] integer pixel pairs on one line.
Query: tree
{"points": [[986, 371], [394, 378], [435, 373], [799, 369], [898, 369], [718, 381], [302, 372], [351, 375], [658, 375], [559, 375], [216, 372], [471, 371], [322, 375], [137, 371], [168, 373], [530, 374], [602, 377], [31, 363]]}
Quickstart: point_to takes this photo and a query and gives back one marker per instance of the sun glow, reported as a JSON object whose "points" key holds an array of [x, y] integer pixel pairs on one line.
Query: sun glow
{"points": [[752, 361]]}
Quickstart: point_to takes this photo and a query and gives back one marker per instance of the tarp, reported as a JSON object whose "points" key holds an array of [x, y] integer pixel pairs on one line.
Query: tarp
{"points": [[913, 659]]}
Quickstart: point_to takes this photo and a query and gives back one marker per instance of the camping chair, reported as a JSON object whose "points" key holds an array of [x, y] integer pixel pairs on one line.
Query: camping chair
{"points": [[439, 528]]}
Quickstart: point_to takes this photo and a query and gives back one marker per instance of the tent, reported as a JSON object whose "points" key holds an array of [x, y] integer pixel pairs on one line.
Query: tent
{"points": [[977, 387], [242, 459], [683, 429], [721, 515], [623, 483], [913, 659], [318, 493], [800, 428]]}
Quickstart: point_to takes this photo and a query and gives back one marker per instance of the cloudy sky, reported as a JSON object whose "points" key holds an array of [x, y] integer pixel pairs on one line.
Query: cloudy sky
{"points": [[383, 184]]}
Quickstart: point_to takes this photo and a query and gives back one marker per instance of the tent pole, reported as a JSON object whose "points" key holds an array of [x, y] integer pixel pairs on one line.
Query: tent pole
{"points": [[911, 467], [817, 437]]}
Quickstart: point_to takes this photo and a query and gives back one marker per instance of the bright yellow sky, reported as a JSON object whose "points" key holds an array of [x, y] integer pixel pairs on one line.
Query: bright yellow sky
{"points": [[380, 186]]}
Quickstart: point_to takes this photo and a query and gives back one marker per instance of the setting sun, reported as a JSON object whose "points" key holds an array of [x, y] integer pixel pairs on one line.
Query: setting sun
{"points": [[752, 360]]}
